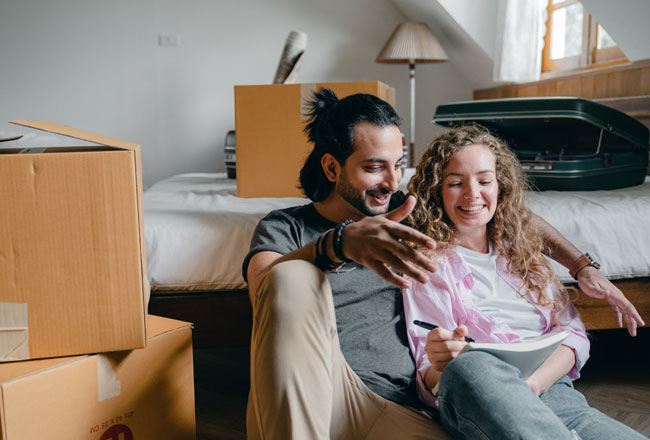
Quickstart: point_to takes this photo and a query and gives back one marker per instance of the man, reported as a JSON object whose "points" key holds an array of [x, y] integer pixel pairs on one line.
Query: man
{"points": [[329, 354]]}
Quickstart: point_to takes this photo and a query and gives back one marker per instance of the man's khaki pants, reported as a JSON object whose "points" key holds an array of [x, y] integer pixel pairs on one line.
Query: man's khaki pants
{"points": [[301, 386]]}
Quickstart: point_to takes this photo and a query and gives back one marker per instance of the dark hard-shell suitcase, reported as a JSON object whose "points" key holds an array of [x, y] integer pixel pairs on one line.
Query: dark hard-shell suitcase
{"points": [[563, 143]]}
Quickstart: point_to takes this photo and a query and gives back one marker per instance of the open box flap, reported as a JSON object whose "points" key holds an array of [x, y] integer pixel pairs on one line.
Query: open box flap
{"points": [[78, 134]]}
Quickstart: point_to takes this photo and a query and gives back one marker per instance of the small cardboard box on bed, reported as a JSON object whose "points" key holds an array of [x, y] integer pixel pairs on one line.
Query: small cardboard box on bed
{"points": [[127, 395], [72, 253], [269, 137]]}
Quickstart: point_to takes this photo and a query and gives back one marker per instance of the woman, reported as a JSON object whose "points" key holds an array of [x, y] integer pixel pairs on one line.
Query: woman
{"points": [[493, 284]]}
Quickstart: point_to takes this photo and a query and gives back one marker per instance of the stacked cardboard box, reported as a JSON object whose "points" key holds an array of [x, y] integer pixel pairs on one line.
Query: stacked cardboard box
{"points": [[137, 394], [73, 282], [72, 253]]}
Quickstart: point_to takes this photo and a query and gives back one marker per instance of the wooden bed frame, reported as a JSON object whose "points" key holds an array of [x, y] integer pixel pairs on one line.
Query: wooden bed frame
{"points": [[223, 318]]}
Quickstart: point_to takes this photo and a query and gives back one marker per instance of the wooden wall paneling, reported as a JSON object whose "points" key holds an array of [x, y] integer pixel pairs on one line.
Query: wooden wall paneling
{"points": [[621, 83], [568, 87], [587, 86], [523, 91], [632, 79], [602, 86], [632, 83], [644, 82]]}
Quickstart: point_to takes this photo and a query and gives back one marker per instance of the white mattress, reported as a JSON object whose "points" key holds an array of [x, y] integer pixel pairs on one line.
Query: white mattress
{"points": [[613, 226], [198, 232]]}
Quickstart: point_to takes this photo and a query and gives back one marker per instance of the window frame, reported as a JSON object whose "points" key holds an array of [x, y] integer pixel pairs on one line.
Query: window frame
{"points": [[590, 55]]}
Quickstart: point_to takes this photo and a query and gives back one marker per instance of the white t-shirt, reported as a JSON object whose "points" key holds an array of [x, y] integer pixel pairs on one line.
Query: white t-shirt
{"points": [[497, 299]]}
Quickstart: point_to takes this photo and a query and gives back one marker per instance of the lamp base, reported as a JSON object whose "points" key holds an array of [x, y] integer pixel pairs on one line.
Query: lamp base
{"points": [[406, 153]]}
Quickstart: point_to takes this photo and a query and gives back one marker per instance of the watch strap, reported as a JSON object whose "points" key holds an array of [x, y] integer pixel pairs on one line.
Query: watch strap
{"points": [[582, 262]]}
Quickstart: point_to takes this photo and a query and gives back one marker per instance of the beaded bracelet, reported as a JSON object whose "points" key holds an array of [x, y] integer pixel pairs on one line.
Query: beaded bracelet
{"points": [[321, 259], [337, 241]]}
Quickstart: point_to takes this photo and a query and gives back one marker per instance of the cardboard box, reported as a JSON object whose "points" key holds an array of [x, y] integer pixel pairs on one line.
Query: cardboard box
{"points": [[139, 394], [271, 144], [72, 252]]}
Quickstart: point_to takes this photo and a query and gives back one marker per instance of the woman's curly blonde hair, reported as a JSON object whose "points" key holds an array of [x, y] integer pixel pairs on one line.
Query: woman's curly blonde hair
{"points": [[510, 230]]}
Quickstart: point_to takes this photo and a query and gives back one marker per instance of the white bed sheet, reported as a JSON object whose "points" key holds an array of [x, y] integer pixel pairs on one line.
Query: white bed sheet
{"points": [[613, 226], [198, 232]]}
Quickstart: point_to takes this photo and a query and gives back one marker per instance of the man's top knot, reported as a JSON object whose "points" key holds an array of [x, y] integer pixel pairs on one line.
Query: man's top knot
{"points": [[322, 101]]}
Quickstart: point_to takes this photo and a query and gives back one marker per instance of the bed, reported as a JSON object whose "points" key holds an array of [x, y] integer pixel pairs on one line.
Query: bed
{"points": [[198, 231]]}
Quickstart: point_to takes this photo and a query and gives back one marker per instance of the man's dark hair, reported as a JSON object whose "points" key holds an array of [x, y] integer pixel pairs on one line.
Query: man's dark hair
{"points": [[331, 130]]}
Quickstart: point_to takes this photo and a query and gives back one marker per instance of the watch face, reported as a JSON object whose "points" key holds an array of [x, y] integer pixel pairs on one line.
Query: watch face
{"points": [[592, 262]]}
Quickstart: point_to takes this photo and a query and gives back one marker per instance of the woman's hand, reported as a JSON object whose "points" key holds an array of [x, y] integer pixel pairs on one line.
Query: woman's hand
{"points": [[559, 363], [593, 283], [443, 346], [534, 385]]}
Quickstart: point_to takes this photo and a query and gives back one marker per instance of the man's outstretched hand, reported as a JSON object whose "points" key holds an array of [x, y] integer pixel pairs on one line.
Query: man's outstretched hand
{"points": [[593, 283], [379, 243]]}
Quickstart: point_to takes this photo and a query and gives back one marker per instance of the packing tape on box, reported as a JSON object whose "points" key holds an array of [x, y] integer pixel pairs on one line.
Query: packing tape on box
{"points": [[14, 332], [306, 95], [107, 385], [33, 150]]}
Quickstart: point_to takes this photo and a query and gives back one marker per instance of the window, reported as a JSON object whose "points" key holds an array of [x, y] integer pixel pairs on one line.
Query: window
{"points": [[575, 40]]}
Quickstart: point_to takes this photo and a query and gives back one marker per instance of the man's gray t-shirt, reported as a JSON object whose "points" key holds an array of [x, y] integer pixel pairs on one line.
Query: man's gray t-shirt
{"points": [[369, 315]]}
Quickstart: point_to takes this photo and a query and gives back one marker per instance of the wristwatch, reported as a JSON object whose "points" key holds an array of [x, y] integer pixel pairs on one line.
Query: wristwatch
{"points": [[582, 262]]}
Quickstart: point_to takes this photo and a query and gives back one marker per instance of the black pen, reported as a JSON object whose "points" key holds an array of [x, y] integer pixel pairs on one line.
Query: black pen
{"points": [[428, 326]]}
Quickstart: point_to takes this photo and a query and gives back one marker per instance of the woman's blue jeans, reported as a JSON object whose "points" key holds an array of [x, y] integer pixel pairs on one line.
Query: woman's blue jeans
{"points": [[482, 397]]}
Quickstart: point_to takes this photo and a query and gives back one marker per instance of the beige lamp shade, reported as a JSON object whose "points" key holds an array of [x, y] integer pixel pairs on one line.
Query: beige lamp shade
{"points": [[412, 42]]}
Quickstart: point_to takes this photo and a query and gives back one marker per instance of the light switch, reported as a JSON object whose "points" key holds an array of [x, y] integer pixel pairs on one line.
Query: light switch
{"points": [[169, 40]]}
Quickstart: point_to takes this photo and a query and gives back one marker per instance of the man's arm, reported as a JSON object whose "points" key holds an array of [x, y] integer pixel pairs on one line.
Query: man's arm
{"points": [[590, 280], [376, 242], [555, 245]]}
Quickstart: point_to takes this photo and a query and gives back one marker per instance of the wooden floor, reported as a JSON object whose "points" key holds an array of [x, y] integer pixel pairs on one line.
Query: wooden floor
{"points": [[616, 380]]}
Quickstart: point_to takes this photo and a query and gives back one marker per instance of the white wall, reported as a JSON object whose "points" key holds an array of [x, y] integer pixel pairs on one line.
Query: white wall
{"points": [[470, 60], [477, 18], [97, 66], [626, 22]]}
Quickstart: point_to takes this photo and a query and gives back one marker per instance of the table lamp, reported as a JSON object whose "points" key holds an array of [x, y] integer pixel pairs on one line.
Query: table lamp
{"points": [[412, 43]]}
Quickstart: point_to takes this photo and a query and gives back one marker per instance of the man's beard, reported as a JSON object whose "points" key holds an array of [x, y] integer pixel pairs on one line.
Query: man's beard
{"points": [[355, 198]]}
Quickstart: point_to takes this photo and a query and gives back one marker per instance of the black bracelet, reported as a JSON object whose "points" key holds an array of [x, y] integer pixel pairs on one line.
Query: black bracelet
{"points": [[322, 260], [317, 248], [337, 241]]}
